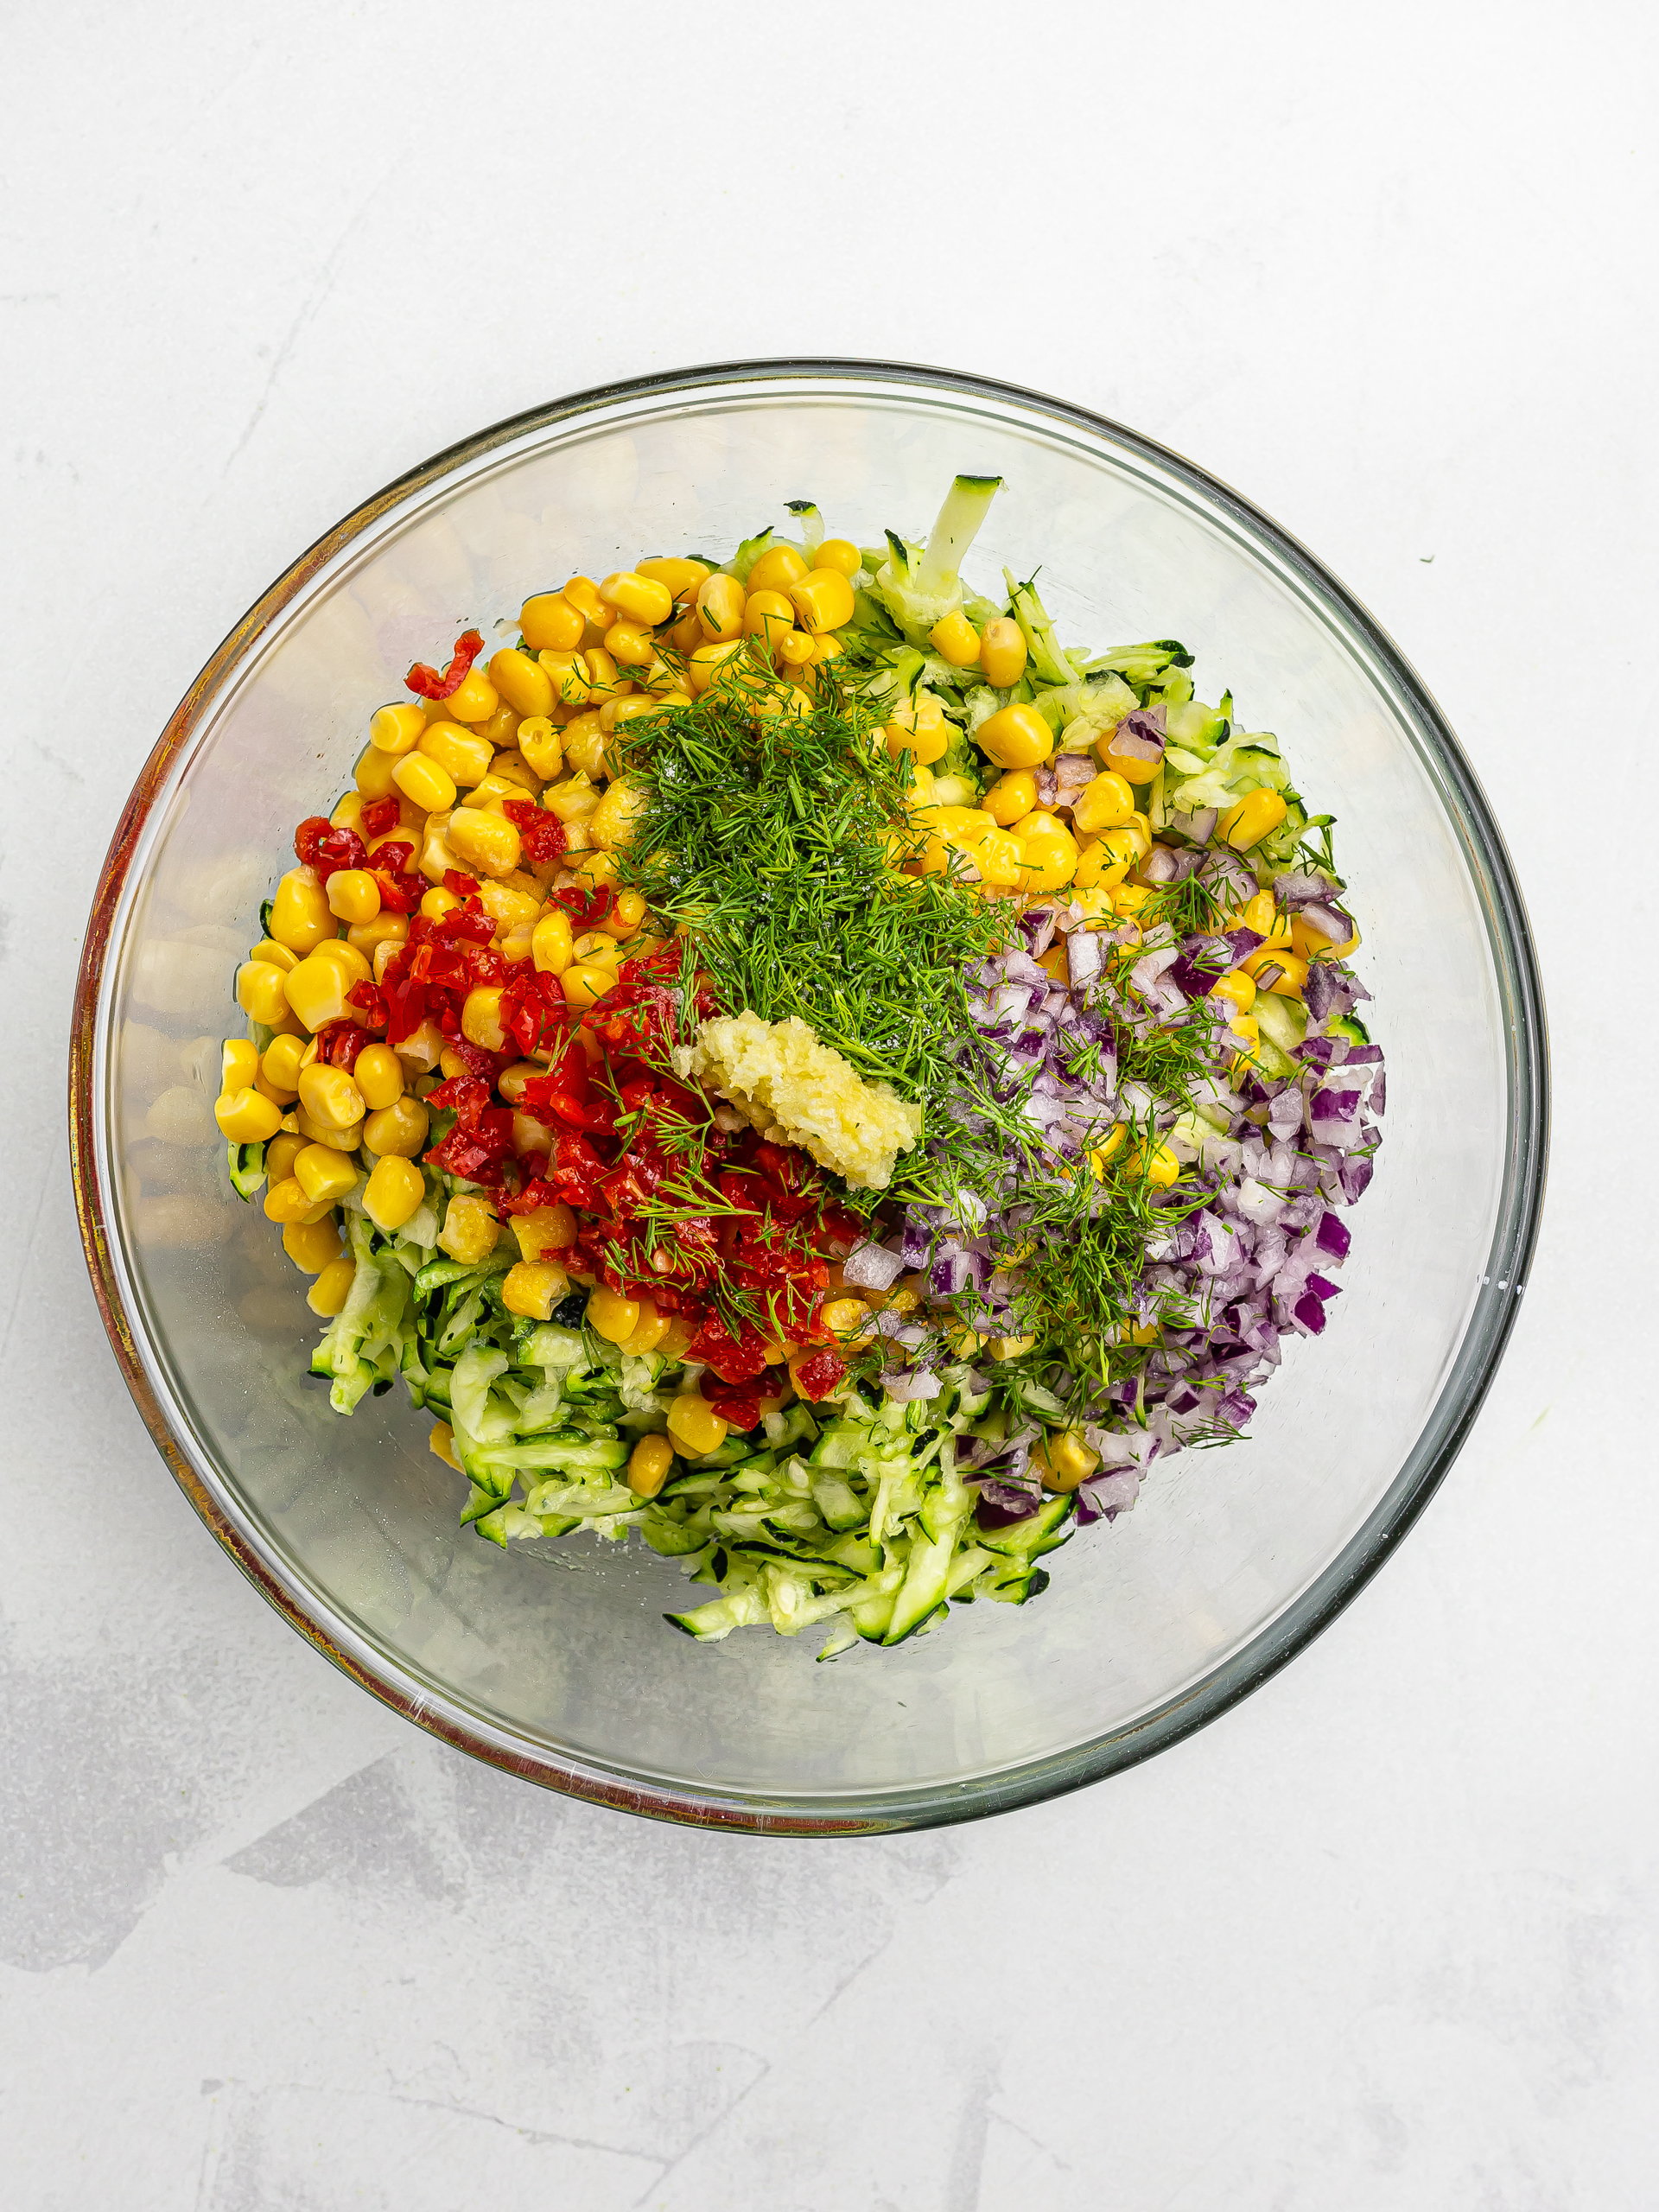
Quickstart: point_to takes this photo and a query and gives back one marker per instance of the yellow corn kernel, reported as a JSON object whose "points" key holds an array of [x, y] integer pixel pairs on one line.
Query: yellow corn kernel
{"points": [[317, 990], [767, 615], [630, 646], [680, 577], [794, 652], [470, 1229], [534, 1288], [550, 623], [484, 842], [311, 1244], [1048, 852], [353, 894], [1002, 653], [285, 1199], [346, 956], [379, 1074], [648, 1466], [395, 729], [481, 1018], [501, 730], [839, 554], [1063, 1459], [299, 912], [397, 1130], [1249, 822], [260, 991], [280, 1154], [625, 915], [1016, 737], [473, 700], [612, 824], [1142, 1332], [694, 1426], [648, 1331], [550, 945], [521, 683], [583, 594], [605, 680], [1291, 979], [246, 1118], [638, 600], [612, 1316], [1110, 858], [1237, 985], [463, 755], [585, 982], [849, 1319], [1102, 1154], [348, 814], [437, 902], [779, 569], [394, 1193], [956, 639], [1003, 1348], [1011, 798], [823, 599], [279, 955], [584, 742], [706, 663], [1159, 1164], [1123, 764], [567, 672], [345, 1140], [324, 1174], [328, 1294], [441, 1442], [1311, 944], [329, 1096], [541, 747], [1247, 1030], [573, 799], [508, 908], [594, 868], [424, 783], [280, 1065], [720, 608], [598, 947], [546, 1229], [924, 744], [1106, 802], [372, 774]]}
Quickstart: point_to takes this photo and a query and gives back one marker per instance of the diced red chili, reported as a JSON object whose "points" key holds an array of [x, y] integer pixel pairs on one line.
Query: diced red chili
{"points": [[372, 1003], [464, 887], [541, 835], [429, 684], [816, 1377], [308, 836], [380, 815], [339, 1043]]}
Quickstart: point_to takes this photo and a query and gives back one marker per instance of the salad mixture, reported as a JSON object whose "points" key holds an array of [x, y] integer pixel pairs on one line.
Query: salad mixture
{"points": [[788, 1058]]}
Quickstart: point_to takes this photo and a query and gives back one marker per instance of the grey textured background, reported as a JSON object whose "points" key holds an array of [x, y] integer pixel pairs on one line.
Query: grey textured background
{"points": [[1383, 1936]]}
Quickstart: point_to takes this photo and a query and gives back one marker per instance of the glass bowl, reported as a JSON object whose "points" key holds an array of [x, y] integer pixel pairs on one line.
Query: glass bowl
{"points": [[555, 1662]]}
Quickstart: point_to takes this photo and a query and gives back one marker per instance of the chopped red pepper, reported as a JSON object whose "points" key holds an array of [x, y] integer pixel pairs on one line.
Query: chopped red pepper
{"points": [[339, 1043], [399, 894], [816, 1377], [308, 836], [541, 835], [428, 682], [464, 887], [737, 1403], [587, 909], [372, 1003], [381, 815]]}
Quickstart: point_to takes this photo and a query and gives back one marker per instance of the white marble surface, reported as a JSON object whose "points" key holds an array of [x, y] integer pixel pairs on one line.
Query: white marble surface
{"points": [[1383, 1936]]}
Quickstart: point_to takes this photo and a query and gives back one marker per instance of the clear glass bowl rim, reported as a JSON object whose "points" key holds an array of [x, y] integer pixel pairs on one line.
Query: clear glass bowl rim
{"points": [[935, 1804]]}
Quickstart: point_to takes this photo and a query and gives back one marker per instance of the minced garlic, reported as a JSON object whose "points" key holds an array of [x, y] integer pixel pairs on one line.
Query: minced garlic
{"points": [[796, 1091]]}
